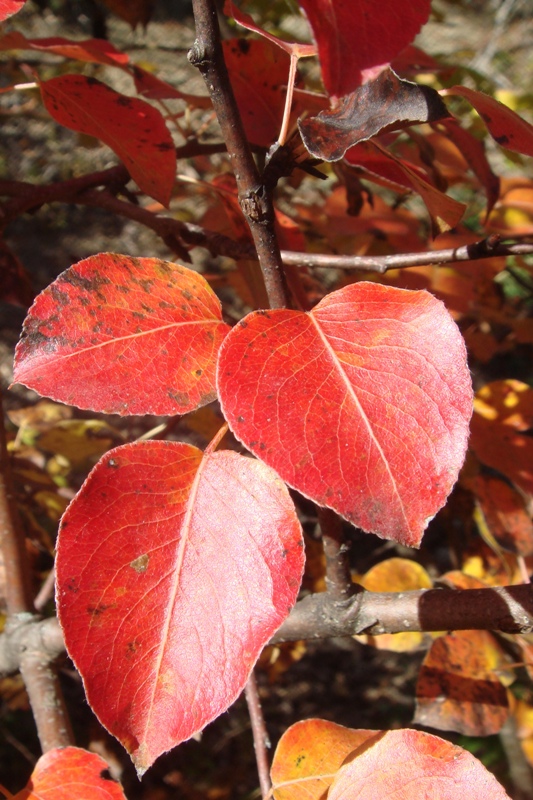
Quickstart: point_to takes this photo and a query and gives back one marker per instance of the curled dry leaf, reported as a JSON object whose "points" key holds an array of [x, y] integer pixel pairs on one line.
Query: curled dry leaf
{"points": [[388, 102]]}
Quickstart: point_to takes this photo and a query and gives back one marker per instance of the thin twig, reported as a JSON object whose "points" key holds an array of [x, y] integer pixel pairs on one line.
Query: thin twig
{"points": [[256, 203], [381, 264], [259, 732]]}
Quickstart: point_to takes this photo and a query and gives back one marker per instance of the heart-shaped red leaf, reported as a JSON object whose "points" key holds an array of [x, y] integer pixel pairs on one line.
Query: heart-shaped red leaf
{"points": [[68, 773], [357, 37], [123, 335], [410, 765], [362, 405], [135, 130], [174, 569]]}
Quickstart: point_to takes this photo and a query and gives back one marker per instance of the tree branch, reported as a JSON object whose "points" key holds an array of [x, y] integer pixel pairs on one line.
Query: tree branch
{"points": [[336, 547], [491, 247], [503, 608], [256, 202]]}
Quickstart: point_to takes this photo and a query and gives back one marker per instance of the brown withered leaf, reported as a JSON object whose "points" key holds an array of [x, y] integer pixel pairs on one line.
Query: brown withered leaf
{"points": [[388, 102]]}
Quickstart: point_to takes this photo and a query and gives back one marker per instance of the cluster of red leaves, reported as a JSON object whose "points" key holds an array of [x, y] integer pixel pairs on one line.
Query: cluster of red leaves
{"points": [[362, 404]]}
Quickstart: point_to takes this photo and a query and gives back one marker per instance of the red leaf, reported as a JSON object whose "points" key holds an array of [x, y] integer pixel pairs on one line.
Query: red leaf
{"points": [[68, 773], [174, 569], [10, 7], [410, 765], [504, 125], [362, 405], [355, 38], [386, 102], [125, 336], [133, 129], [259, 73], [97, 51]]}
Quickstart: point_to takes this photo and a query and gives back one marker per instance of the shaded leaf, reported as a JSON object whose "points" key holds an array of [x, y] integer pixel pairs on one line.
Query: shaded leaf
{"points": [[10, 7], [355, 39], [458, 688], [445, 212], [309, 754], [134, 12], [132, 128], [258, 72], [154, 88], [503, 124], [174, 569], [69, 772], [123, 335], [506, 514], [362, 404], [386, 102], [411, 765], [97, 51]]}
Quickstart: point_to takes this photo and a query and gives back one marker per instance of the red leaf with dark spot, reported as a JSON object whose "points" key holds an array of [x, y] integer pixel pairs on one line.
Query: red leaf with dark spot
{"points": [[69, 773], [503, 124], [362, 405], [10, 7], [132, 128], [386, 102], [174, 569], [123, 335], [356, 37]]}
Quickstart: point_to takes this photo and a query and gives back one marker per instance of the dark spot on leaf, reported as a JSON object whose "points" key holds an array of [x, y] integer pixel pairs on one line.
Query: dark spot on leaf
{"points": [[198, 372], [92, 82], [140, 564], [187, 294], [113, 464], [240, 419], [262, 446], [180, 398], [503, 140], [253, 444], [299, 760], [95, 611], [164, 304], [243, 45]]}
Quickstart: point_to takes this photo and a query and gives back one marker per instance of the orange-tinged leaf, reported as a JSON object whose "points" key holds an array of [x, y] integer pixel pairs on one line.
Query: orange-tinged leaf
{"points": [[411, 765], [68, 773], [133, 129], [96, 51], [174, 568], [362, 404], [458, 685], [123, 335], [308, 756], [504, 125], [355, 39]]}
